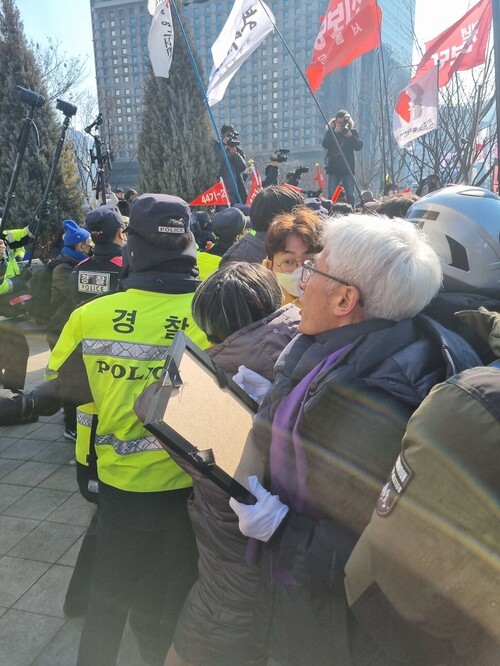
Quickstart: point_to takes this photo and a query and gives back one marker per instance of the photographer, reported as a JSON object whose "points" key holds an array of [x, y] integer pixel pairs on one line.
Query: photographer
{"points": [[348, 141], [293, 177], [272, 169], [236, 158]]}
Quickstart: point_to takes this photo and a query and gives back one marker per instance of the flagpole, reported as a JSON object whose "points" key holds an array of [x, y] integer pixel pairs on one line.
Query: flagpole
{"points": [[304, 78], [202, 87], [388, 117], [495, 6]]}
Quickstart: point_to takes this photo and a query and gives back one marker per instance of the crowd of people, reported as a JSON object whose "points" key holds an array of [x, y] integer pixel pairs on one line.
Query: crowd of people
{"points": [[373, 538]]}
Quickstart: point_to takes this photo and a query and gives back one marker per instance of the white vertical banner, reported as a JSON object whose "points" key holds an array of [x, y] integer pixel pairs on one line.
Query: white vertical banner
{"points": [[247, 26], [161, 37], [416, 111]]}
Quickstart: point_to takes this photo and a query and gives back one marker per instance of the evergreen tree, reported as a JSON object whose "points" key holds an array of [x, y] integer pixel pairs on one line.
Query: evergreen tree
{"points": [[18, 67], [175, 145]]}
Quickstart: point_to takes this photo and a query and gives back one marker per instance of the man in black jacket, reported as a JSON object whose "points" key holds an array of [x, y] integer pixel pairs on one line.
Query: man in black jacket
{"points": [[233, 180], [99, 274], [347, 142], [331, 427]]}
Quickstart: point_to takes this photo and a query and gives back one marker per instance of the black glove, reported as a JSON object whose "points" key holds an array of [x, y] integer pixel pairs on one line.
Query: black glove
{"points": [[12, 410], [44, 210]]}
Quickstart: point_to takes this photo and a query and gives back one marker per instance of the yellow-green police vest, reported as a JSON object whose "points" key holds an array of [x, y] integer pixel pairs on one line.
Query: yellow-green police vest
{"points": [[124, 340], [8, 265]]}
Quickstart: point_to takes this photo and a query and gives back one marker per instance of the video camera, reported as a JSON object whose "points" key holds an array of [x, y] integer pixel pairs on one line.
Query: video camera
{"points": [[279, 155], [293, 177], [232, 140]]}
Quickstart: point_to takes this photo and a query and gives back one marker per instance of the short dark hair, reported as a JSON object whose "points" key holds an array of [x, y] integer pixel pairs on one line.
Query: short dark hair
{"points": [[233, 297], [301, 222], [130, 194], [396, 205], [271, 201], [339, 208], [226, 128]]}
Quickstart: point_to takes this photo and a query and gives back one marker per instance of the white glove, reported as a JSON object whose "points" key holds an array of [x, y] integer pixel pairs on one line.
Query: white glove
{"points": [[262, 519], [252, 383]]}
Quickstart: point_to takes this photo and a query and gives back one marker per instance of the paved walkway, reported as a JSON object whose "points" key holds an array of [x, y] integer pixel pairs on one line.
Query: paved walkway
{"points": [[42, 520]]}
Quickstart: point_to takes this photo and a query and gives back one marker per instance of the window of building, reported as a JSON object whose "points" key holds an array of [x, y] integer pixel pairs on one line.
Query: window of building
{"points": [[113, 33]]}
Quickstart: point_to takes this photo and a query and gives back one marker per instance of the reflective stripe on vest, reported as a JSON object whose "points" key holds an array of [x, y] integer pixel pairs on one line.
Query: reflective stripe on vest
{"points": [[123, 448], [134, 351], [83, 419]]}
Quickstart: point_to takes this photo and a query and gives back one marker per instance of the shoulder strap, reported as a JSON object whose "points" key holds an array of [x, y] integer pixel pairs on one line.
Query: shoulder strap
{"points": [[93, 481]]}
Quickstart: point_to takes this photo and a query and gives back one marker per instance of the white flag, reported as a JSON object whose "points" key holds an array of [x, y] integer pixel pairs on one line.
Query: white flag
{"points": [[161, 37], [247, 26], [416, 111]]}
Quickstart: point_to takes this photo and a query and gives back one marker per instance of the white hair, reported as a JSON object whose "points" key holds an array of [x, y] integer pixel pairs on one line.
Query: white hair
{"points": [[389, 260]]}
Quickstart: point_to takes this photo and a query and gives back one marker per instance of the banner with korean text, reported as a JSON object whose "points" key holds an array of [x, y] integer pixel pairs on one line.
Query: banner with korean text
{"points": [[350, 28], [247, 26], [462, 46], [161, 37], [416, 111]]}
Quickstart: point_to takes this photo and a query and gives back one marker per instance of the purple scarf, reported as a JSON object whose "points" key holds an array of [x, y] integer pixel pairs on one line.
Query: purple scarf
{"points": [[288, 461]]}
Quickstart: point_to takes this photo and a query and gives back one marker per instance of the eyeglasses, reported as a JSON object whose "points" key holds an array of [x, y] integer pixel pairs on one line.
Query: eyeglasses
{"points": [[308, 269], [289, 265]]}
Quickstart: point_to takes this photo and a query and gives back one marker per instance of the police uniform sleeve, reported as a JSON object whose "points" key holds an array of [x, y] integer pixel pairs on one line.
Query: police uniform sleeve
{"points": [[68, 344]]}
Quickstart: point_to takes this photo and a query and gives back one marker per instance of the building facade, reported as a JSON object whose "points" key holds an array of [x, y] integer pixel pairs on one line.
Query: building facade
{"points": [[267, 100]]}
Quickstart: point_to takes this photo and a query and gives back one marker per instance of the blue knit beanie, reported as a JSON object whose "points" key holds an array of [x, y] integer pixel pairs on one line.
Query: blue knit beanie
{"points": [[73, 234]]}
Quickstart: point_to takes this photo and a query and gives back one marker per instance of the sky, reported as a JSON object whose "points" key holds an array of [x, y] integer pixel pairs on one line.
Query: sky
{"points": [[69, 23]]}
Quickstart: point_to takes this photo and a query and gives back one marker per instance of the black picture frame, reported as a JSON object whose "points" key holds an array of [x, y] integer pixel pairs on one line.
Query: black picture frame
{"points": [[184, 413]]}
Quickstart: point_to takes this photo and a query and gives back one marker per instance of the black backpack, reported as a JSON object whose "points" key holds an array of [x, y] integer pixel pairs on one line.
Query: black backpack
{"points": [[41, 289]]}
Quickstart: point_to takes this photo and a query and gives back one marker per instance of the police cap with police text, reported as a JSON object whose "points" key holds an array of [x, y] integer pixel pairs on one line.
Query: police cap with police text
{"points": [[103, 223], [159, 214]]}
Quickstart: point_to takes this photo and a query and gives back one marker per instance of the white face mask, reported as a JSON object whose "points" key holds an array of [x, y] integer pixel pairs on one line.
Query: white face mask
{"points": [[291, 281]]}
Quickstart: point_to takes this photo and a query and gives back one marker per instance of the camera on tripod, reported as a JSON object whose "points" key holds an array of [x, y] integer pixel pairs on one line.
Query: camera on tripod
{"points": [[279, 155], [68, 109], [30, 97], [293, 177]]}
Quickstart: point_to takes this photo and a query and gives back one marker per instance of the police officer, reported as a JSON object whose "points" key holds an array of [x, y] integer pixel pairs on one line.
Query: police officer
{"points": [[99, 274], [14, 295], [146, 557]]}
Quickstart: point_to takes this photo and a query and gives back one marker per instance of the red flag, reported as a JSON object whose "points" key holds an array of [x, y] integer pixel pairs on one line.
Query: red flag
{"points": [[337, 193], [319, 177], [349, 29], [214, 196], [460, 47], [255, 187]]}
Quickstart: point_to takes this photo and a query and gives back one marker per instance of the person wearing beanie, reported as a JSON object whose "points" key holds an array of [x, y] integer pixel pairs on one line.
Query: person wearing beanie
{"points": [[266, 205], [77, 245], [227, 225], [110, 350], [99, 274]]}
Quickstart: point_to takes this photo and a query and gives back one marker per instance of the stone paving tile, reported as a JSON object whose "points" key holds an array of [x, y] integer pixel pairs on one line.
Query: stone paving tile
{"points": [[16, 577], [69, 557], [59, 452], [47, 542], [38, 503], [24, 635], [24, 449], [30, 473], [12, 530], [46, 596], [62, 650], [63, 479], [6, 466], [50, 431], [10, 494], [5, 442], [74, 511], [19, 431]]}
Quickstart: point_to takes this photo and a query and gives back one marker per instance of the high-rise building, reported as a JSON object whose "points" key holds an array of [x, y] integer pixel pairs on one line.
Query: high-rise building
{"points": [[267, 100]]}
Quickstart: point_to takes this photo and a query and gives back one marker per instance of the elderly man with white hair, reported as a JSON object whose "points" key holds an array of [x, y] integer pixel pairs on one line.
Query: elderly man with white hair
{"points": [[332, 424]]}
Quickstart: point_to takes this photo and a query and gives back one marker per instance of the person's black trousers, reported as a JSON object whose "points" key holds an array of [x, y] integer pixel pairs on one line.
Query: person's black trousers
{"points": [[145, 572]]}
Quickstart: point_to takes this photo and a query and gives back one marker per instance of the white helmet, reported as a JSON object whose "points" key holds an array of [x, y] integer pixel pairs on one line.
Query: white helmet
{"points": [[462, 224]]}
